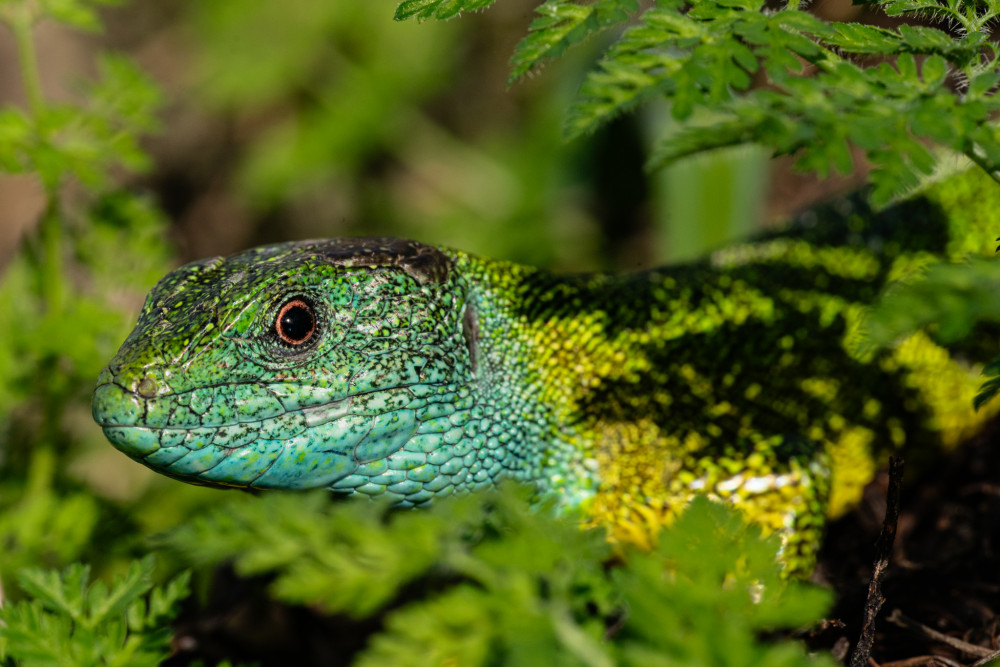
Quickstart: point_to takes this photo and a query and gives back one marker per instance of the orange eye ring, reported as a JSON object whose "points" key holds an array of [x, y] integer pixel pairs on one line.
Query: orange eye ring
{"points": [[296, 322]]}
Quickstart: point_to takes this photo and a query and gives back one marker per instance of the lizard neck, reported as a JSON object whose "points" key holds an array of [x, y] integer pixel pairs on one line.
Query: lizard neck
{"points": [[561, 361]]}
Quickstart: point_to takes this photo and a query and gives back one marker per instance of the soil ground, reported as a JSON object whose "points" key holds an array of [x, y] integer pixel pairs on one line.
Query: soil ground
{"points": [[942, 587]]}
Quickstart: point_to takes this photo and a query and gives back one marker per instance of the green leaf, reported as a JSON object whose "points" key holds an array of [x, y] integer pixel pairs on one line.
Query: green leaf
{"points": [[73, 621], [991, 387], [59, 592], [921, 7], [721, 580], [859, 38], [934, 70], [694, 59], [457, 628], [982, 84], [33, 635], [923, 40], [804, 23], [437, 9], [563, 23], [907, 66], [104, 603]]}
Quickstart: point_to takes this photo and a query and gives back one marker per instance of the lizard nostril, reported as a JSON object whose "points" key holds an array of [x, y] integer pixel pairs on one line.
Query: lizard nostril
{"points": [[146, 387]]}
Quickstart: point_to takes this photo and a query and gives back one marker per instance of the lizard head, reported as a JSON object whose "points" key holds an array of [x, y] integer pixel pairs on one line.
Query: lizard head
{"points": [[294, 366]]}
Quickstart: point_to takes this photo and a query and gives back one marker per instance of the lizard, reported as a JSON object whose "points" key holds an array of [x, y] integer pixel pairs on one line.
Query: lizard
{"points": [[390, 368]]}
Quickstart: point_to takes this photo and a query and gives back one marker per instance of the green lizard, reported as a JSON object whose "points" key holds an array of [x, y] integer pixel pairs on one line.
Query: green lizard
{"points": [[390, 368]]}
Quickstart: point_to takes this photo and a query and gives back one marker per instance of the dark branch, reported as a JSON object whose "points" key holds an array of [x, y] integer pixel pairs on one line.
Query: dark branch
{"points": [[883, 552]]}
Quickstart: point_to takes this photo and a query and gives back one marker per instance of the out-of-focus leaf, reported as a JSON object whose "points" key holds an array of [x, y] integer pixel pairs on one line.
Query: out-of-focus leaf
{"points": [[947, 301], [499, 581]]}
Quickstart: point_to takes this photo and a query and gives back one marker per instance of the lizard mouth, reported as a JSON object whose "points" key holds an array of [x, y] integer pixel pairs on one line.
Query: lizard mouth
{"points": [[250, 435]]}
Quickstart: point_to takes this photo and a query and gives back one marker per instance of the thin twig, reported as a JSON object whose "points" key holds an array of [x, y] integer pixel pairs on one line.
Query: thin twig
{"points": [[902, 620], [988, 660], [923, 661], [883, 551]]}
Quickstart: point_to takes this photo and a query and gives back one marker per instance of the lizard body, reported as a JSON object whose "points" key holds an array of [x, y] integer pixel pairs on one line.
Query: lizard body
{"points": [[384, 367]]}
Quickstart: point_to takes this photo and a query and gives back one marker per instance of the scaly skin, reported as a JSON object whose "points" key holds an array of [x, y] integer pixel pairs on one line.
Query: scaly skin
{"points": [[432, 371]]}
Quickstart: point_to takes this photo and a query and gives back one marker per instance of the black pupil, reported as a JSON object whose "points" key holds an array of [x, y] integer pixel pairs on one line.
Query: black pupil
{"points": [[297, 323]]}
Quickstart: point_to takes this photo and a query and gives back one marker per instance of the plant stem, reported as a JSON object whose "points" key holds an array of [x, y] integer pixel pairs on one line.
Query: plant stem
{"points": [[22, 24], [50, 233], [975, 154], [50, 254]]}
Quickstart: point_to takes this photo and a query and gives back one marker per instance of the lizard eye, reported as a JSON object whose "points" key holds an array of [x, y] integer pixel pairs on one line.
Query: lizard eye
{"points": [[296, 322]]}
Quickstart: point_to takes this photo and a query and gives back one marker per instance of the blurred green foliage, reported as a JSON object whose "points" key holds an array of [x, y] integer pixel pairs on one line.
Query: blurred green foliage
{"points": [[947, 300], [350, 92], [345, 58], [69, 297], [85, 141], [509, 584]]}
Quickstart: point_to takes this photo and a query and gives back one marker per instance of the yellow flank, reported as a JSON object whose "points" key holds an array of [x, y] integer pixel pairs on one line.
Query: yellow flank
{"points": [[747, 376], [946, 387], [845, 262], [650, 462], [852, 466]]}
